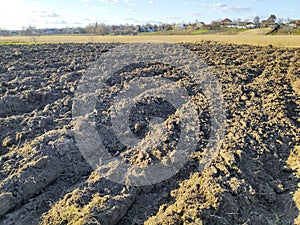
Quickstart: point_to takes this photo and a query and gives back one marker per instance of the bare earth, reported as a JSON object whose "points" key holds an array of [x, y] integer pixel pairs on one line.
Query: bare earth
{"points": [[254, 180]]}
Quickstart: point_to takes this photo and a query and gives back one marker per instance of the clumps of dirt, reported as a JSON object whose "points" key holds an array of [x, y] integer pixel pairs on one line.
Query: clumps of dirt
{"points": [[157, 144], [194, 195], [95, 201], [294, 163], [39, 158], [254, 179]]}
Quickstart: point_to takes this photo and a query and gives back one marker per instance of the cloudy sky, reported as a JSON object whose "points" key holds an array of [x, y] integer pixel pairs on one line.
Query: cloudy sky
{"points": [[15, 14]]}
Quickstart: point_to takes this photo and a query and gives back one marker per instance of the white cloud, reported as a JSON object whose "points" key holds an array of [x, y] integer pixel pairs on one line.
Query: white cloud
{"points": [[248, 17], [196, 13], [216, 5], [59, 22], [11, 13], [129, 19], [109, 1], [190, 3], [173, 17], [130, 3], [45, 14], [224, 8], [130, 10], [99, 8], [85, 1], [152, 1]]}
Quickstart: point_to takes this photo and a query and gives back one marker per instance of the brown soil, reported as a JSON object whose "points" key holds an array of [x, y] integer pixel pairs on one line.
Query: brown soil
{"points": [[254, 180]]}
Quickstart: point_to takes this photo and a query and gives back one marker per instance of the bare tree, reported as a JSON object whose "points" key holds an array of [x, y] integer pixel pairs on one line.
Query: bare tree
{"points": [[30, 31], [256, 20], [4, 32], [91, 31], [280, 20], [214, 24], [272, 18]]}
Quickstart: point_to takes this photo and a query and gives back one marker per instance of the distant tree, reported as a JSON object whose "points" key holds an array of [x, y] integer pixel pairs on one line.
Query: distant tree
{"points": [[168, 26], [149, 27], [214, 24], [173, 26], [4, 32], [272, 18], [280, 20], [30, 31], [91, 29], [256, 20], [103, 29]]}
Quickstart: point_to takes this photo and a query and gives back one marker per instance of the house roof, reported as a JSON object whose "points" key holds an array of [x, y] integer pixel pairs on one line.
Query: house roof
{"points": [[226, 21]]}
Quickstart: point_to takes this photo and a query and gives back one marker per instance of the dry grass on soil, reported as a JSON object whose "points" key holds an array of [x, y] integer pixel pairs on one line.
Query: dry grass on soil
{"points": [[251, 39]]}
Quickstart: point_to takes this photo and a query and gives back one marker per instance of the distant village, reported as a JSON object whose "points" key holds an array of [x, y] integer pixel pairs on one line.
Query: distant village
{"points": [[288, 26]]}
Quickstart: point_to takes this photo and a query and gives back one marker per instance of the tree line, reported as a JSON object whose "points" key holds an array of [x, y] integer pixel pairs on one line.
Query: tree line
{"points": [[127, 29]]}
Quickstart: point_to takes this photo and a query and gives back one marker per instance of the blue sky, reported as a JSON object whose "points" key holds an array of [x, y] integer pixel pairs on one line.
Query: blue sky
{"points": [[15, 14]]}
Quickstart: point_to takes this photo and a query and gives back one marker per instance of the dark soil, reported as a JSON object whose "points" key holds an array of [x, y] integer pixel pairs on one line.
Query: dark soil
{"points": [[254, 180]]}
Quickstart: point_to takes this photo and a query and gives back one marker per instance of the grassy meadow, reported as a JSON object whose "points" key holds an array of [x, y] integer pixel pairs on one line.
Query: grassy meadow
{"points": [[250, 37]]}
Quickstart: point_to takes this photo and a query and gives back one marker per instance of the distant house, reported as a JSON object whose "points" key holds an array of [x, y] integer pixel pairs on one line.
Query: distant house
{"points": [[267, 23], [141, 28], [200, 25], [225, 22], [250, 25], [264, 23], [180, 26], [241, 25], [233, 25], [294, 24]]}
